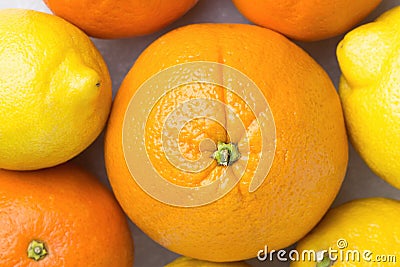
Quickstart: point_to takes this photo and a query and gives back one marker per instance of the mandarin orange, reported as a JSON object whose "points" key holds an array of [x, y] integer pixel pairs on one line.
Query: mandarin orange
{"points": [[307, 20], [118, 19], [61, 216], [309, 158]]}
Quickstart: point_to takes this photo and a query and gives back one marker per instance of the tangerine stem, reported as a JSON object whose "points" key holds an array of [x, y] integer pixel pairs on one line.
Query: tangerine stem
{"points": [[226, 154], [36, 250]]}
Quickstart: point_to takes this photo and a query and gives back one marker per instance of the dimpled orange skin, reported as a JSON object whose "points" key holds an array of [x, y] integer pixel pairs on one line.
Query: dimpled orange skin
{"points": [[306, 20], [311, 146], [118, 19], [79, 220]]}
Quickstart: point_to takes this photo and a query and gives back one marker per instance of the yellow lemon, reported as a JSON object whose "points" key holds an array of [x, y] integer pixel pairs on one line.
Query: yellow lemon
{"points": [[189, 262], [369, 58], [363, 232], [55, 90]]}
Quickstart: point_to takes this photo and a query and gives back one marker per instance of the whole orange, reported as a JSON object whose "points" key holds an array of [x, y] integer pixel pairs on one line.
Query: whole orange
{"points": [[117, 19], [309, 160], [62, 216], [306, 20]]}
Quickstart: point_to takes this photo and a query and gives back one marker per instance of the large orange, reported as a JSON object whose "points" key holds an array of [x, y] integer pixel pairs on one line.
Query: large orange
{"points": [[308, 165], [116, 19], [307, 20], [61, 216]]}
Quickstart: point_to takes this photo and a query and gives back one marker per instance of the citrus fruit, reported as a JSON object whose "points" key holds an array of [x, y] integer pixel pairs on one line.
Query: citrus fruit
{"points": [[55, 90], [369, 58], [117, 19], [61, 216], [306, 149], [364, 232], [188, 262], [306, 20]]}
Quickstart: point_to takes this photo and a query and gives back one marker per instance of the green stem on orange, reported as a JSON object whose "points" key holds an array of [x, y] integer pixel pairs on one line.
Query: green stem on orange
{"points": [[36, 250], [226, 154]]}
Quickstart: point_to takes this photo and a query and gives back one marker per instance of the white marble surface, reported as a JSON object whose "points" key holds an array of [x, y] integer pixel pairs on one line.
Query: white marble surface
{"points": [[121, 54]]}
